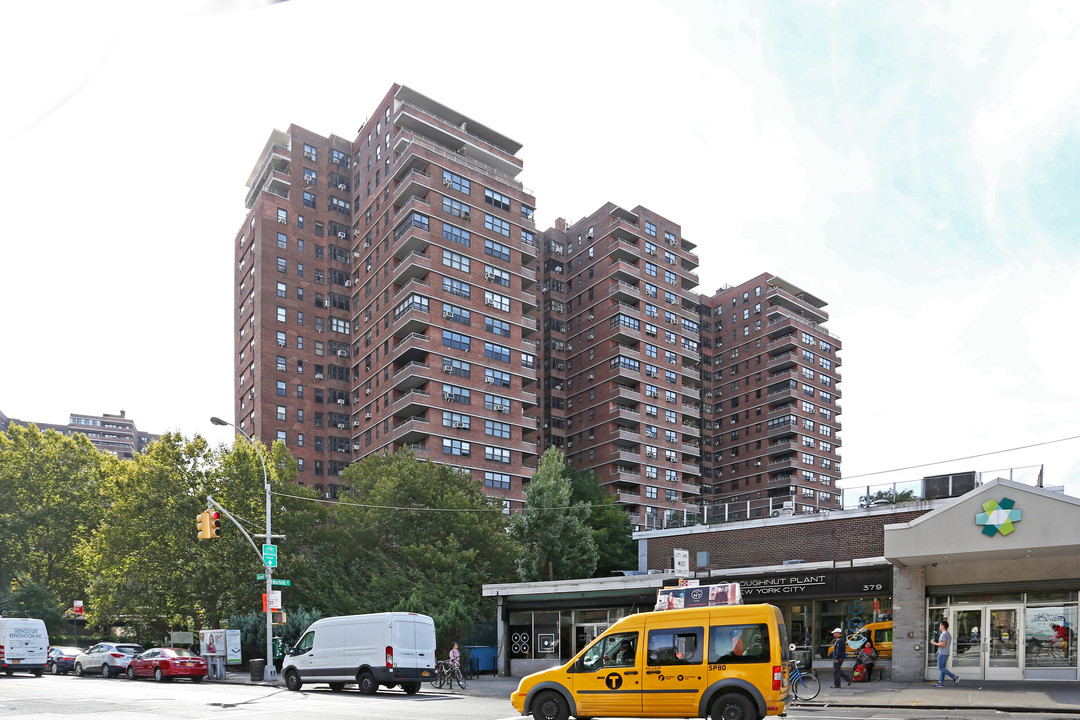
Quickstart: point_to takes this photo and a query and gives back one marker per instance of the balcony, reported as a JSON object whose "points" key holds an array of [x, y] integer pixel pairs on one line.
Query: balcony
{"points": [[527, 398], [631, 435], [627, 393], [528, 250], [781, 361], [414, 285], [781, 447], [692, 430], [691, 449], [411, 376], [626, 456], [416, 341], [782, 396], [413, 265], [798, 303], [412, 430], [690, 488], [413, 402], [622, 412], [415, 184], [528, 300], [694, 469], [782, 430], [623, 270], [272, 173], [410, 237], [414, 320], [625, 333], [625, 498], [783, 463], [624, 291]]}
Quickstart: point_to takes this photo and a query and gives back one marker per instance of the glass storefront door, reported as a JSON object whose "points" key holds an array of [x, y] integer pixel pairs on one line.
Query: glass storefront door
{"points": [[985, 643]]}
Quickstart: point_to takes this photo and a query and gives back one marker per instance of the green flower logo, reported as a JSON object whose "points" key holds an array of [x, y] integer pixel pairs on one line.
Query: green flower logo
{"points": [[998, 517]]}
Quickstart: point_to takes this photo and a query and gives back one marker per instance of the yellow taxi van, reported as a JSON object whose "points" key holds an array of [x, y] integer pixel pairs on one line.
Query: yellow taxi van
{"points": [[880, 633], [726, 662]]}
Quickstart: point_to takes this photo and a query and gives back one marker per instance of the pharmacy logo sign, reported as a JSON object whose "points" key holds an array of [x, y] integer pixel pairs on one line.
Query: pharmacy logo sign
{"points": [[998, 516]]}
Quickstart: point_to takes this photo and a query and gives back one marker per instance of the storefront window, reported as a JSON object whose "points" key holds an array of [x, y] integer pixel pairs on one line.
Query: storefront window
{"points": [[1050, 635]]}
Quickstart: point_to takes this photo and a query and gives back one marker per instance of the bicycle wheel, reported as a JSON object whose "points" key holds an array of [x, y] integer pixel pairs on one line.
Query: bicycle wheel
{"points": [[459, 677], [806, 687]]}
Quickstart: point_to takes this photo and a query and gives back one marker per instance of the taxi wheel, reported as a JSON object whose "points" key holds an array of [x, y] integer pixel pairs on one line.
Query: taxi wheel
{"points": [[550, 706], [732, 706]]}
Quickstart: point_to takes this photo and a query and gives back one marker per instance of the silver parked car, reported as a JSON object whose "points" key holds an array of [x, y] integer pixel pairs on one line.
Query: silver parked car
{"points": [[108, 658]]}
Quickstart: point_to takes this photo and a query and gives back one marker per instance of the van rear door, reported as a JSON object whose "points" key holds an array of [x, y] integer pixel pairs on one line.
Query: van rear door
{"points": [[405, 639], [25, 642]]}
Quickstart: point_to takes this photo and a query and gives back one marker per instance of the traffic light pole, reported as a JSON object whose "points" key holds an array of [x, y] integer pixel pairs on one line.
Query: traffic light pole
{"points": [[270, 672]]}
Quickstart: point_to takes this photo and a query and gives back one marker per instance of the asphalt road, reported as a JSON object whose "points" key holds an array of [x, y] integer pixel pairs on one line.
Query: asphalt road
{"points": [[23, 697]]}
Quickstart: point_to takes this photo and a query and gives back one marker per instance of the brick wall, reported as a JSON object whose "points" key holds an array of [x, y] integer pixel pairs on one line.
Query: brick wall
{"points": [[771, 542]]}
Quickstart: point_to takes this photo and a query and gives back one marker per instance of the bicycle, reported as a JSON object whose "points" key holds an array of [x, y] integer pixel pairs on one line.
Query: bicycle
{"points": [[805, 686], [447, 674], [1047, 653]]}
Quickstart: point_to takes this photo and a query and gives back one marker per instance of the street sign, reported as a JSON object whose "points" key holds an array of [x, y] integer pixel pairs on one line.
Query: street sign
{"points": [[260, 576], [279, 581], [270, 556], [78, 607], [274, 602]]}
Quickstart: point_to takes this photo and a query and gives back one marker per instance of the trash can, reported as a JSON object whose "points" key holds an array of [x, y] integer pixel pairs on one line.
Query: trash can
{"points": [[258, 669]]}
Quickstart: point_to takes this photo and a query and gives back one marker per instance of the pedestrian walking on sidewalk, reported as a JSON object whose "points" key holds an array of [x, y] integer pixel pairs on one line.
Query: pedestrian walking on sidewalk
{"points": [[944, 643], [839, 655]]}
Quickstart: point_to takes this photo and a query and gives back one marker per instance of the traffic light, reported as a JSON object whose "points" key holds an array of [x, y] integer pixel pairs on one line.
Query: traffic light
{"points": [[203, 519], [213, 523], [277, 617]]}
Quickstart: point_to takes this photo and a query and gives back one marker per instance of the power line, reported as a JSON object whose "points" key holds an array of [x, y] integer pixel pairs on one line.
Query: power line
{"points": [[427, 509], [969, 457]]}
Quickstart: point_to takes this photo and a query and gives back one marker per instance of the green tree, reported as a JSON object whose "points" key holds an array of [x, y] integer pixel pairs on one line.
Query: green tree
{"points": [[611, 527], [406, 531], [552, 533], [889, 496], [150, 570], [50, 487]]}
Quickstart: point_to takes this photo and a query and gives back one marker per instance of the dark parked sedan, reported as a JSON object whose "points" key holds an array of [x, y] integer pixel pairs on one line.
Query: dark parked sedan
{"points": [[61, 660]]}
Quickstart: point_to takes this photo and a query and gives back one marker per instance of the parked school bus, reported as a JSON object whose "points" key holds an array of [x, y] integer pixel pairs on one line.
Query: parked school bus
{"points": [[726, 662]]}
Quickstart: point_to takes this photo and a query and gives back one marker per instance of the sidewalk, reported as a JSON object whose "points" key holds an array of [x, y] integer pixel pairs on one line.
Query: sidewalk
{"points": [[1006, 696]]}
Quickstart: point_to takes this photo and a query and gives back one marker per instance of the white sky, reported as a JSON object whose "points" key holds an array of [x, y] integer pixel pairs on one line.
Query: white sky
{"points": [[915, 165]]}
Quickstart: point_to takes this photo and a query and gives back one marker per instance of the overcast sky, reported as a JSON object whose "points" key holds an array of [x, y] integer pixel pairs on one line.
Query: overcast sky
{"points": [[915, 165]]}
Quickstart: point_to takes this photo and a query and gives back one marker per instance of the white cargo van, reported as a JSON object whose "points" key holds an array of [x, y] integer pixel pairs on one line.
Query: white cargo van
{"points": [[24, 645], [385, 649]]}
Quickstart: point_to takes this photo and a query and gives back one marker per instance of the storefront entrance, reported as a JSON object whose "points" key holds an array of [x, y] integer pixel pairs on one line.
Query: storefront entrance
{"points": [[986, 642]]}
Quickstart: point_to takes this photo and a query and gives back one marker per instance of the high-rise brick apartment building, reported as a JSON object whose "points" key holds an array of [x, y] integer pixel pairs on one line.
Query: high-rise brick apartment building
{"points": [[385, 294], [115, 434], [774, 445], [621, 358]]}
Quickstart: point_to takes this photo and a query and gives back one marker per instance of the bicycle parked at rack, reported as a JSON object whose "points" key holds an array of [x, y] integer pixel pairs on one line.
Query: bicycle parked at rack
{"points": [[805, 686], [447, 674]]}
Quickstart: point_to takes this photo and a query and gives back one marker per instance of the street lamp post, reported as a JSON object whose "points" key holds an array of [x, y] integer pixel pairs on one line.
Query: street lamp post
{"points": [[269, 672]]}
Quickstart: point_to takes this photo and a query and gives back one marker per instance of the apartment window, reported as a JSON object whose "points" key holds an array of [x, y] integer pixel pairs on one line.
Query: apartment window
{"points": [[650, 269], [497, 352], [670, 237], [650, 290], [528, 237], [456, 261], [281, 412], [669, 257], [825, 397], [669, 277], [281, 314], [826, 347], [310, 153], [455, 181], [456, 314], [456, 420], [496, 377], [670, 416], [497, 225], [282, 216], [825, 380], [281, 265], [280, 336], [453, 393], [807, 458], [339, 325], [670, 298], [309, 200], [282, 436], [455, 340], [497, 250], [282, 241], [500, 481], [650, 350], [650, 229], [528, 361], [826, 363], [455, 208], [826, 430], [452, 446], [498, 327], [455, 234], [496, 275], [670, 436], [650, 492], [651, 431], [497, 429], [650, 248], [496, 403], [281, 388], [497, 301], [457, 287], [282, 290], [496, 199]]}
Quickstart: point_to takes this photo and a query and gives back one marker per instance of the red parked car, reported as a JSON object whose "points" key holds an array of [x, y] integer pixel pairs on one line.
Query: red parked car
{"points": [[167, 663]]}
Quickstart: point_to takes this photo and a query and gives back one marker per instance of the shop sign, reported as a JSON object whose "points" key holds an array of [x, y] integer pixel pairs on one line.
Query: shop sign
{"points": [[818, 584], [998, 516]]}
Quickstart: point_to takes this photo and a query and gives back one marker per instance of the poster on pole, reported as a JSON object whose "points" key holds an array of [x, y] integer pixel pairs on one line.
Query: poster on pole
{"points": [[232, 642], [212, 643]]}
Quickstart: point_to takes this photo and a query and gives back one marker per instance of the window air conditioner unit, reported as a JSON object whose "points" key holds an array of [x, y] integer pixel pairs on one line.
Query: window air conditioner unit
{"points": [[348, 283], [367, 416], [341, 234], [318, 376], [503, 408], [283, 221], [457, 425], [356, 253], [464, 214], [309, 179], [281, 343], [447, 369], [489, 380], [489, 303], [343, 353], [356, 423], [757, 463], [489, 276], [356, 446], [367, 391], [281, 368], [590, 316], [341, 186], [447, 396], [589, 235], [447, 182], [367, 243], [448, 313], [341, 401], [341, 426], [356, 232], [329, 496], [590, 376]]}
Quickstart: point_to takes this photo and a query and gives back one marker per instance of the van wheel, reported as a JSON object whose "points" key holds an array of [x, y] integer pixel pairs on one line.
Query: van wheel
{"points": [[410, 688], [550, 706], [367, 683], [337, 687], [37, 673], [732, 706], [292, 681]]}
